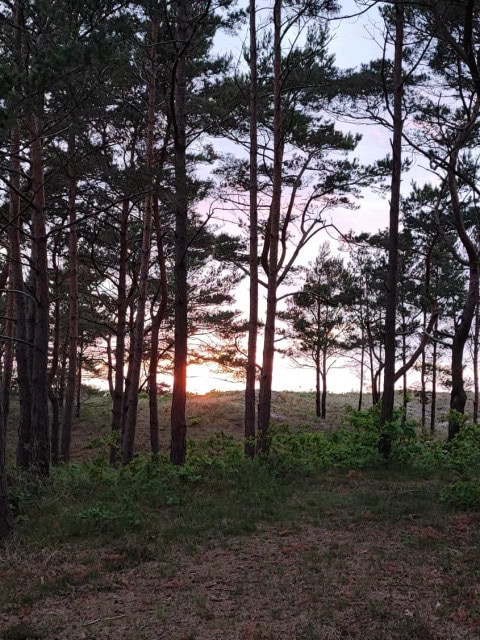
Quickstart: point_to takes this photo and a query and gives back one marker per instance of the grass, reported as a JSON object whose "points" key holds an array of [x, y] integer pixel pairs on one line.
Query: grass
{"points": [[323, 540], [211, 413]]}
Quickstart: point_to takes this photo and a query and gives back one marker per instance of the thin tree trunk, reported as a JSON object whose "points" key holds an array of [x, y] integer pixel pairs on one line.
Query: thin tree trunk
{"points": [[388, 398], [52, 376], [251, 373], [423, 380], [72, 302], [458, 397], [122, 306], [128, 377], [110, 367], [78, 382], [433, 408], [138, 342], [362, 371], [371, 365], [8, 356], [24, 454], [5, 521], [156, 324], [324, 384], [22, 348], [39, 268], [179, 397], [476, 337], [272, 239], [63, 373], [404, 362], [318, 402]]}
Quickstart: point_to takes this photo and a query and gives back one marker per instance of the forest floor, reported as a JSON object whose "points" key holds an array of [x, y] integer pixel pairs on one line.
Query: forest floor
{"points": [[222, 412], [244, 554]]}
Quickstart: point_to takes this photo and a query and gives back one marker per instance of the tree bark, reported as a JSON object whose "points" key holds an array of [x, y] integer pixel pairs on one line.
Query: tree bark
{"points": [[433, 407], [110, 367], [122, 306], [78, 385], [423, 379], [138, 342], [72, 302], [324, 384], [156, 324], [8, 356], [362, 371], [476, 337], [128, 377], [39, 266], [52, 375], [251, 373], [388, 398], [178, 447], [22, 347], [318, 393], [271, 240], [458, 396], [5, 521]]}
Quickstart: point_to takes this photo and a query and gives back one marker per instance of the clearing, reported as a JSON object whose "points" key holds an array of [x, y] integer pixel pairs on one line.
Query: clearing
{"points": [[241, 550]]}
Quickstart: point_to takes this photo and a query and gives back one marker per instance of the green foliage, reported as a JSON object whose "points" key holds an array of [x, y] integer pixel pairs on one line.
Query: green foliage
{"points": [[401, 431], [464, 450], [463, 495], [218, 491], [422, 454], [344, 449]]}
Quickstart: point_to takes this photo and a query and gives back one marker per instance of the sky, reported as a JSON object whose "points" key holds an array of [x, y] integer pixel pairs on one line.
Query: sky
{"points": [[352, 43]]}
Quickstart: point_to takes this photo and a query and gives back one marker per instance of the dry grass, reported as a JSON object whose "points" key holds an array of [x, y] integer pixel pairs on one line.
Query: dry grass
{"points": [[368, 580], [216, 412], [220, 412], [353, 555]]}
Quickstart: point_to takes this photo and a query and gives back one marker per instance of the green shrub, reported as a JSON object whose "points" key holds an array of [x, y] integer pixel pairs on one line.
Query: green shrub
{"points": [[464, 450], [463, 495]]}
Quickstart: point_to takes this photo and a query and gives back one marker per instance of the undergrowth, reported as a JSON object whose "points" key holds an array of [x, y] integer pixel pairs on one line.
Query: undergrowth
{"points": [[220, 492]]}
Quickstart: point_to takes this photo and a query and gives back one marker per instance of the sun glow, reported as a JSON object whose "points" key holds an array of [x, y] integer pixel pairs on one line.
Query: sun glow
{"points": [[203, 378]]}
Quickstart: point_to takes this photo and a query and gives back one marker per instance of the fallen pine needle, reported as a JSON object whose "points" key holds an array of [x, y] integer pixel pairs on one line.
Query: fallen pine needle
{"points": [[88, 624]]}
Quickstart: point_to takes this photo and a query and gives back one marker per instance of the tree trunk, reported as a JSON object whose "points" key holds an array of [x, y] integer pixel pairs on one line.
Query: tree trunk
{"points": [[63, 373], [128, 377], [271, 240], [72, 302], [156, 324], [433, 408], [8, 356], [324, 384], [5, 522], [78, 382], [39, 269], [22, 346], [423, 380], [52, 391], [24, 450], [371, 366], [318, 393], [138, 342], [404, 362], [362, 368], [458, 397], [108, 341], [388, 398], [122, 306], [476, 337], [251, 373], [178, 448]]}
